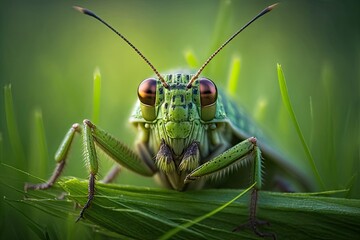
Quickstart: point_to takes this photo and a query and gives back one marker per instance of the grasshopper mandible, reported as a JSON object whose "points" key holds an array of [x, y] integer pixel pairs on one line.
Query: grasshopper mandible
{"points": [[187, 131]]}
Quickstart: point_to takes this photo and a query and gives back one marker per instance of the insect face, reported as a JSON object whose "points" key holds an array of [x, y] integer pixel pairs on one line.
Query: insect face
{"points": [[177, 112], [178, 101]]}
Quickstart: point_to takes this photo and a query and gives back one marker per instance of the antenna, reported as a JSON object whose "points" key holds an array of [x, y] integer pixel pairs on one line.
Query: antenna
{"points": [[91, 14], [263, 12]]}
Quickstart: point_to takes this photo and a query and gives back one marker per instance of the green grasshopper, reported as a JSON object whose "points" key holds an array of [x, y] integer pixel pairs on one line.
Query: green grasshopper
{"points": [[187, 131]]}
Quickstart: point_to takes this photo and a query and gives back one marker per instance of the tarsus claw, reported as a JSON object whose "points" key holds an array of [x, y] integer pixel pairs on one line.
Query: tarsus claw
{"points": [[253, 224]]}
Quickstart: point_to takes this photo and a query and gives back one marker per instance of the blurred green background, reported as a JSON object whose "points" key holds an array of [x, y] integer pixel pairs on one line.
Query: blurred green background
{"points": [[48, 53]]}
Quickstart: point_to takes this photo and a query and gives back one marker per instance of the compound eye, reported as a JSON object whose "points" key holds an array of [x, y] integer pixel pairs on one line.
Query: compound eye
{"points": [[147, 91], [208, 92]]}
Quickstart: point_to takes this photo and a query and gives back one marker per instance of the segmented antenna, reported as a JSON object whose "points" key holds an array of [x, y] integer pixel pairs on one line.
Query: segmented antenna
{"points": [[263, 12], [91, 14]]}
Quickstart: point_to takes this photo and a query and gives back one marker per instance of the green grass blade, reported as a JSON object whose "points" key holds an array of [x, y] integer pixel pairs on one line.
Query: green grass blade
{"points": [[350, 184], [39, 230], [1, 149], [311, 140], [125, 210], [39, 150], [17, 171], [287, 103], [260, 110], [191, 59], [222, 21], [234, 77], [96, 96], [12, 127], [330, 158], [221, 30], [172, 232]]}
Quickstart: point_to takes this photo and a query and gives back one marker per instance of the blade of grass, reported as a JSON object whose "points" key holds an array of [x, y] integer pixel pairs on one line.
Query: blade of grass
{"points": [[179, 228], [260, 110], [39, 230], [13, 131], [1, 149], [126, 209], [234, 77], [287, 103], [222, 25], [350, 184], [331, 164], [17, 170], [39, 151], [96, 96], [51, 215], [191, 59], [311, 121]]}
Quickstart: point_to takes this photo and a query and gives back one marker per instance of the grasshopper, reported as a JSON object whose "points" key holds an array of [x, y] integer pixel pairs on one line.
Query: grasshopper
{"points": [[187, 131]]}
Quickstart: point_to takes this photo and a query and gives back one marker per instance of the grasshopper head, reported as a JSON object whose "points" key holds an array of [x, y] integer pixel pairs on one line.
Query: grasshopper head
{"points": [[175, 112], [177, 102]]}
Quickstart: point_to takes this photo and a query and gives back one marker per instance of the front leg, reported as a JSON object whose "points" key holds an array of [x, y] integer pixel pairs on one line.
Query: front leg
{"points": [[60, 158], [92, 163], [115, 149], [237, 156]]}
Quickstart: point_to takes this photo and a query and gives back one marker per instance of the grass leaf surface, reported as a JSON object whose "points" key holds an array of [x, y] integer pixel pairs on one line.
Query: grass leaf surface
{"points": [[145, 213]]}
